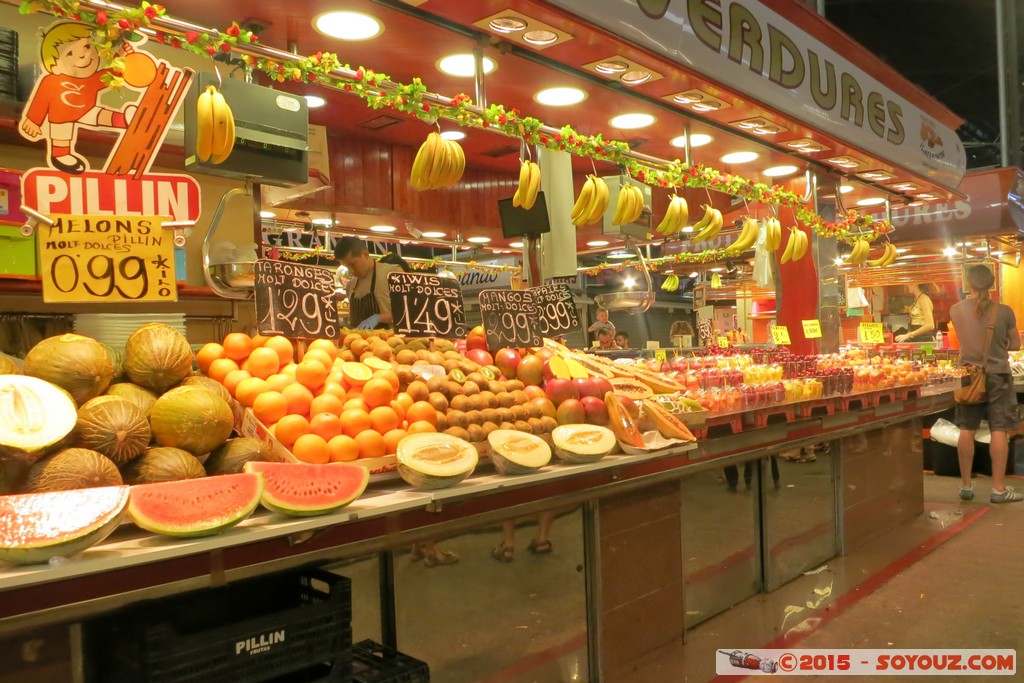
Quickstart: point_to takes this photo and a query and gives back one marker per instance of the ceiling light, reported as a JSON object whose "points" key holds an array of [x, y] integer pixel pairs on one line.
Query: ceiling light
{"points": [[627, 121], [696, 140], [463, 65], [902, 250], [998, 253], [435, 234], [267, 214], [716, 269], [507, 24], [348, 25], [949, 251], [838, 260], [540, 37], [479, 240], [516, 245], [611, 67], [871, 201], [629, 282], [775, 171], [635, 77], [322, 221], [382, 228], [687, 228], [915, 204], [453, 135], [694, 274], [560, 97], [620, 254], [739, 157], [843, 189], [314, 101], [598, 243]]}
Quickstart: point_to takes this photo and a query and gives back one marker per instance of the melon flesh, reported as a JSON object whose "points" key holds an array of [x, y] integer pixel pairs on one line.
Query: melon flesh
{"points": [[305, 490], [195, 507], [35, 527], [435, 461], [36, 417], [514, 452]]}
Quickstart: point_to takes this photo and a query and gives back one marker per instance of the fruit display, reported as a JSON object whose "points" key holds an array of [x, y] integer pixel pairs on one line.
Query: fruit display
{"points": [[591, 203], [676, 216], [629, 205], [747, 236], [305, 490], [439, 163], [578, 444], [710, 224], [163, 464], [772, 234], [79, 365], [435, 461], [529, 184], [796, 246], [215, 126], [157, 356], [72, 468], [114, 426], [192, 419], [196, 507], [36, 417], [667, 424], [514, 452]]}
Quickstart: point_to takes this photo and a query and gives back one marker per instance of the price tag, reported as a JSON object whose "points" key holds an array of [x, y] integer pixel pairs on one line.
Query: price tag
{"points": [[812, 329], [660, 356], [780, 335], [295, 301], [98, 259], [425, 305], [871, 333], [928, 349], [556, 310], [508, 316], [723, 342]]}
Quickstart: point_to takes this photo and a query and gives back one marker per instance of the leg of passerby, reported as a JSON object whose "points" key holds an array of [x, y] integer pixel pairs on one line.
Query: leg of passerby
{"points": [[997, 450], [965, 452], [1002, 417], [506, 550], [541, 542]]}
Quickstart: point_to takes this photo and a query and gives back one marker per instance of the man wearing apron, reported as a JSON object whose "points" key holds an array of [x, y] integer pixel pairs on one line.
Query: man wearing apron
{"points": [[369, 304]]}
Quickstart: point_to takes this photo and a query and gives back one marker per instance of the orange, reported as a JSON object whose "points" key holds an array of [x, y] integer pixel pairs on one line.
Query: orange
{"points": [[325, 345], [356, 404], [320, 357], [398, 408], [335, 377], [289, 428], [378, 392], [279, 381], [311, 448], [421, 411], [388, 375], [248, 389], [354, 392], [335, 390], [422, 426], [263, 362], [283, 347], [233, 379], [375, 363], [206, 355], [258, 340], [405, 400], [371, 444], [391, 440], [326, 403], [237, 346], [356, 374], [269, 407], [299, 398], [220, 368], [311, 374], [327, 425], [289, 369], [384, 419], [355, 421], [343, 449]]}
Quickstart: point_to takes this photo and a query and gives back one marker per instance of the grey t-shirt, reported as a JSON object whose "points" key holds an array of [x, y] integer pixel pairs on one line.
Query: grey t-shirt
{"points": [[972, 330]]}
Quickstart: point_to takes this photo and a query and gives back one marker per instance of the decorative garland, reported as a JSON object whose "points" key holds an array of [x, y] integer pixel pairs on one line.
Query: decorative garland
{"points": [[116, 28], [286, 254]]}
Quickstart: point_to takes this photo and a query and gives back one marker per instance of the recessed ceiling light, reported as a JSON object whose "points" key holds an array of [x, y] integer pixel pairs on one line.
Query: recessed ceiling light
{"points": [[516, 245], [479, 240], [507, 24], [348, 25], [620, 254], [776, 171], [611, 67], [694, 274], [267, 214], [716, 269], [453, 135], [843, 189], [463, 65], [560, 97], [598, 243], [635, 77], [739, 157], [871, 201], [540, 37], [435, 234], [627, 121], [382, 228], [322, 221], [696, 140], [314, 101]]}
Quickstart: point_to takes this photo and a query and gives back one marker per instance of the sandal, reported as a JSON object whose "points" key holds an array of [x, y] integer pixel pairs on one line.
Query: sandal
{"points": [[503, 553], [443, 557], [540, 547]]}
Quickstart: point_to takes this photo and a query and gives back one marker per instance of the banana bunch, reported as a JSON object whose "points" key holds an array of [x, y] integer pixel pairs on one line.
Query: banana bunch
{"points": [[716, 281], [591, 203], [215, 126], [747, 238], [887, 257], [438, 163], [675, 217], [671, 284], [529, 183], [796, 246], [859, 253], [708, 227], [773, 234], [630, 205]]}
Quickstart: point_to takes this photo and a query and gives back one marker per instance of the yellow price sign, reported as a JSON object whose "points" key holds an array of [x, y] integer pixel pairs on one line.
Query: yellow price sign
{"points": [[812, 329], [97, 259], [723, 342], [660, 355], [780, 334], [871, 333]]}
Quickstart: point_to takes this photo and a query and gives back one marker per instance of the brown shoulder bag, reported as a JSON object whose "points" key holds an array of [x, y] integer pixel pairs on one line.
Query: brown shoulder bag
{"points": [[972, 389]]}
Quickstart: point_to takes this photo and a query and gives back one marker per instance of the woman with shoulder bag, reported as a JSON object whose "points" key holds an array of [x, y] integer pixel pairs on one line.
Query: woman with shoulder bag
{"points": [[988, 332]]}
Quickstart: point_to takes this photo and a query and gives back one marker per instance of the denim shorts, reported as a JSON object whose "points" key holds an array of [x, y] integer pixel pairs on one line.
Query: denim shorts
{"points": [[1001, 408]]}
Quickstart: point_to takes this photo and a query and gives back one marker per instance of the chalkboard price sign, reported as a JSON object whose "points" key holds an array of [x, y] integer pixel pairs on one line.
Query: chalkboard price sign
{"points": [[509, 317], [425, 305], [295, 301], [556, 310]]}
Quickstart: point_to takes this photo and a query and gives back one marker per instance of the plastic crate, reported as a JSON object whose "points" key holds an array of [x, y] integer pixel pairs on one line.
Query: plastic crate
{"points": [[376, 663], [286, 628]]}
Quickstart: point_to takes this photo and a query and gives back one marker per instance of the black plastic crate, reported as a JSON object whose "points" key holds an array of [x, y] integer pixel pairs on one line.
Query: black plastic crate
{"points": [[285, 628], [376, 663]]}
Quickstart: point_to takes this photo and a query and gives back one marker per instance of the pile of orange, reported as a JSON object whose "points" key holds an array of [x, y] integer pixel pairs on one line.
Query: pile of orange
{"points": [[324, 408]]}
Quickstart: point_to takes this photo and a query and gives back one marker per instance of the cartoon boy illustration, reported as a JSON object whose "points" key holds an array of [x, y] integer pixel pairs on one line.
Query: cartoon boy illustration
{"points": [[68, 96]]}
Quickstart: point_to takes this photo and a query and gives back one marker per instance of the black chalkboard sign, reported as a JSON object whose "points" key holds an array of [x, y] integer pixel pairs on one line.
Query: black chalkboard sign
{"points": [[556, 310], [509, 317], [295, 301], [424, 305]]}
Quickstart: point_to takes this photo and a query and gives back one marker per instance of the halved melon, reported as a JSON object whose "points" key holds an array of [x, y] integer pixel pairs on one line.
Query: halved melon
{"points": [[195, 507], [36, 417], [35, 527], [435, 461], [583, 443], [630, 388], [305, 490], [516, 452]]}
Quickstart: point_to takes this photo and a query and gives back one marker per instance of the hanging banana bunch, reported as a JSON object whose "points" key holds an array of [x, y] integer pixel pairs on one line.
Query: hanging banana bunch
{"points": [[773, 234], [708, 227], [747, 238], [859, 253], [716, 281], [215, 126], [529, 184], [887, 257], [591, 203], [629, 206], [796, 246], [671, 283], [675, 217], [438, 163]]}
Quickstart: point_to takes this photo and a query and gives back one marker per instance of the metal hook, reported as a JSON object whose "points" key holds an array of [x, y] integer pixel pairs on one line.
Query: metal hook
{"points": [[220, 80], [593, 166], [524, 150], [808, 174], [888, 211], [839, 198], [686, 145]]}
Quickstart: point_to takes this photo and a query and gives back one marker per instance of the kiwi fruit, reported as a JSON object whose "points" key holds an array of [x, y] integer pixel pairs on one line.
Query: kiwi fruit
{"points": [[549, 423], [450, 365], [506, 425], [470, 388], [454, 389], [533, 410], [495, 387], [491, 415], [476, 433], [477, 402], [476, 378], [520, 412], [460, 403], [442, 421], [469, 366], [458, 432], [520, 396], [513, 385], [506, 415], [457, 418], [489, 427], [436, 385], [490, 399], [452, 354], [418, 390], [536, 424], [440, 403], [523, 426], [474, 417]]}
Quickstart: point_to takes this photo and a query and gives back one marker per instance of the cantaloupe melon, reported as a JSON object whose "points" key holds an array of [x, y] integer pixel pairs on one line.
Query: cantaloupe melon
{"points": [[157, 356], [79, 365], [36, 417], [112, 426], [192, 419]]}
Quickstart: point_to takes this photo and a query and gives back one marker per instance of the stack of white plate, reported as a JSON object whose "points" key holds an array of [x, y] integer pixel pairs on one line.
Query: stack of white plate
{"points": [[115, 328]]}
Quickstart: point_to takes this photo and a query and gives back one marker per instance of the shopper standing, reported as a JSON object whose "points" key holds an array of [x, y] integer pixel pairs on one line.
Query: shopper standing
{"points": [[922, 316], [973, 317]]}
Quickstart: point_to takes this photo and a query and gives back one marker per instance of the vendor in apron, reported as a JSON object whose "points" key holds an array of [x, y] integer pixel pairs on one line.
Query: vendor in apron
{"points": [[369, 303]]}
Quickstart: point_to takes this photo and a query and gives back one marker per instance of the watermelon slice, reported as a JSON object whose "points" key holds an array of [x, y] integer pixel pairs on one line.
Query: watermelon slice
{"points": [[303, 490], [195, 507], [35, 527]]}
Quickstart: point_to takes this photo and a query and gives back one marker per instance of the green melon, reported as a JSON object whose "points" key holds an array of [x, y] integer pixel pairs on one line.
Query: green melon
{"points": [[35, 527], [579, 444], [516, 452], [8, 366], [435, 461], [192, 419], [305, 490], [232, 456], [114, 427], [72, 468], [142, 397], [163, 464], [197, 507], [157, 356], [116, 359], [80, 365], [36, 417], [208, 383]]}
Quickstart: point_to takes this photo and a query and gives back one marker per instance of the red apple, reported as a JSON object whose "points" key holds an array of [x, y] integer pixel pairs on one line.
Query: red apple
{"points": [[480, 356], [507, 361], [533, 392], [597, 411], [531, 370], [477, 339], [602, 386], [586, 387], [570, 412], [560, 390], [546, 406]]}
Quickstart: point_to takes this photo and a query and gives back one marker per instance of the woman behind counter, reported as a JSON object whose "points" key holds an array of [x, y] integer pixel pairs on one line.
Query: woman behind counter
{"points": [[922, 315]]}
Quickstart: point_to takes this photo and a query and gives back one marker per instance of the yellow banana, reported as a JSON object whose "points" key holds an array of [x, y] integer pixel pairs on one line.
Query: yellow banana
{"points": [[790, 246], [204, 124], [419, 176], [621, 205], [599, 202], [705, 220], [887, 257], [711, 231], [223, 147], [580, 208], [801, 247], [747, 237], [459, 165], [773, 234], [532, 187], [221, 114], [682, 213], [443, 165]]}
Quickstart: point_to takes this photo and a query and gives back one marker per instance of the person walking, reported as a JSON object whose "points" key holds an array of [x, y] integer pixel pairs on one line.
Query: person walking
{"points": [[980, 321]]}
